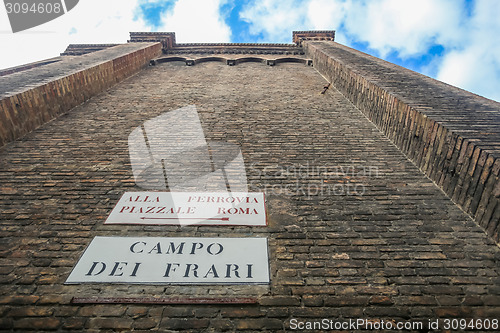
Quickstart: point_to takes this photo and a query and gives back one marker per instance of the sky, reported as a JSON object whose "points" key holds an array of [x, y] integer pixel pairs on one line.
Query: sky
{"points": [[455, 41]]}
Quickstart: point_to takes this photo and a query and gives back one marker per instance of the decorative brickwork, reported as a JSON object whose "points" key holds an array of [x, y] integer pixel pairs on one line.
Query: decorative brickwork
{"points": [[166, 38], [231, 62], [299, 36]]}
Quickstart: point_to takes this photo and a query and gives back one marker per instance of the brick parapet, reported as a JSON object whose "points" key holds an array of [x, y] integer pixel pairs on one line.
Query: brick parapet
{"points": [[41, 94], [21, 68], [452, 135], [299, 36], [166, 38], [234, 48]]}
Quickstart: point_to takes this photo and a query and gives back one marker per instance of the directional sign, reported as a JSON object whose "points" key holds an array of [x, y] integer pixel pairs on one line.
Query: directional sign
{"points": [[165, 260], [187, 208]]}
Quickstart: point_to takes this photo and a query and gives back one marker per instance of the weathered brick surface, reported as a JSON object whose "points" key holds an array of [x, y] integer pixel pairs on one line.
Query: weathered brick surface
{"points": [[32, 97], [355, 229], [452, 135]]}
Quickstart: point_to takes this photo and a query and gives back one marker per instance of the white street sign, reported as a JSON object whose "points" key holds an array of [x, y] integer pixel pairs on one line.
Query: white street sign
{"points": [[173, 260], [188, 208]]}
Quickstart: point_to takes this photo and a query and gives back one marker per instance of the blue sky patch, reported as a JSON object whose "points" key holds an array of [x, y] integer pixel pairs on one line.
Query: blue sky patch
{"points": [[152, 11], [240, 29]]}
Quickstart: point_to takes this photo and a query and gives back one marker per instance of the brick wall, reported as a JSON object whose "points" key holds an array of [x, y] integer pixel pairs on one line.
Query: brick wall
{"points": [[453, 136], [355, 229], [24, 111]]}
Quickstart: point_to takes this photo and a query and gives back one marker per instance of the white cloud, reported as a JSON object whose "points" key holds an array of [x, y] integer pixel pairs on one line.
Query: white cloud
{"points": [[405, 26], [95, 21], [275, 19], [197, 21], [475, 65], [471, 57], [408, 27], [326, 14]]}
